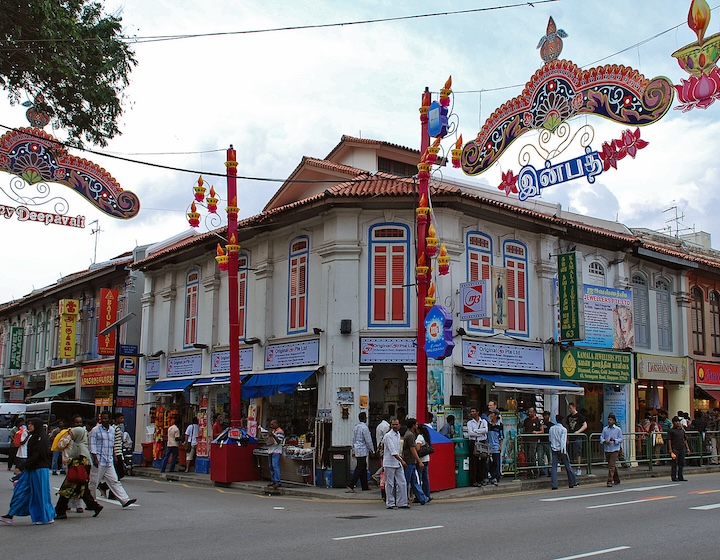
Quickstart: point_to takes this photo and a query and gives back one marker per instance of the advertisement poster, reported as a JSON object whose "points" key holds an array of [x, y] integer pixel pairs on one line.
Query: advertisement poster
{"points": [[507, 450], [499, 298], [435, 375]]}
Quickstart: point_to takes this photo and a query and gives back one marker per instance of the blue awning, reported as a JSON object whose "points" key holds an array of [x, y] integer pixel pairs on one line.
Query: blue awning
{"points": [[530, 383], [268, 384], [170, 386], [217, 380]]}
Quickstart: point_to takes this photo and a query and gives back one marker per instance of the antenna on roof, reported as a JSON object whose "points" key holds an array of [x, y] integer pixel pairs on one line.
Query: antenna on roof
{"points": [[96, 232]]}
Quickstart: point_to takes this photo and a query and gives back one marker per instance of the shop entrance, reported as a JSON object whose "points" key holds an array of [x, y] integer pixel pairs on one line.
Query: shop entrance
{"points": [[388, 393]]}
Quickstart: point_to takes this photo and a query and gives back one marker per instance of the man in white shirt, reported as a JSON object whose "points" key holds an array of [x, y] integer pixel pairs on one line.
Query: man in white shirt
{"points": [[173, 443], [558, 446], [477, 431], [382, 428], [395, 485], [191, 434], [362, 447]]}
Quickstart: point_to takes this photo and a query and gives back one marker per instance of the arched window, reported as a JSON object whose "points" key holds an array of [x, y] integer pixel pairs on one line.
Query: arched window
{"points": [[297, 284], [242, 293], [641, 311], [516, 261], [715, 322], [388, 275], [596, 274], [697, 320], [479, 265], [664, 317], [192, 286]]}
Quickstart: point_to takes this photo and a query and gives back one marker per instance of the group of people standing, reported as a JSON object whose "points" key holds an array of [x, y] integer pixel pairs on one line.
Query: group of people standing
{"points": [[89, 460]]}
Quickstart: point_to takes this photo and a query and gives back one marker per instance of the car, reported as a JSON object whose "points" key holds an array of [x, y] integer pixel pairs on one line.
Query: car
{"points": [[9, 413]]}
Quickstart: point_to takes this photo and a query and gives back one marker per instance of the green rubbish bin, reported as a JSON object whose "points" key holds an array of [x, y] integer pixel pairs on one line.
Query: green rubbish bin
{"points": [[462, 462], [340, 463]]}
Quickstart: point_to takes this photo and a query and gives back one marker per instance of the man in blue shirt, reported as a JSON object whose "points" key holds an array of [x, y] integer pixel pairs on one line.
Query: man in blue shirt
{"points": [[611, 439], [102, 442]]}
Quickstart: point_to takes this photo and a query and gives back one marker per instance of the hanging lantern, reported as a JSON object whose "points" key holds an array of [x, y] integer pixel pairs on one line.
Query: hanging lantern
{"points": [[425, 107], [232, 246], [430, 298], [443, 261], [445, 93], [431, 241], [193, 216], [424, 167], [199, 189], [212, 201], [457, 152], [221, 258], [433, 152]]}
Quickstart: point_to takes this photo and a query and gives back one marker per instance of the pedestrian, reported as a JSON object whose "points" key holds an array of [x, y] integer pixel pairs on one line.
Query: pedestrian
{"points": [[495, 438], [678, 447], [699, 425], [78, 455], [31, 495], [712, 432], [544, 453], [477, 433], [558, 446], [191, 434], [393, 464], [217, 427], [422, 438], [102, 443], [277, 438], [381, 429], [532, 426], [12, 451], [448, 428], [611, 440], [20, 439], [413, 464], [56, 454], [576, 426], [173, 443], [362, 446]]}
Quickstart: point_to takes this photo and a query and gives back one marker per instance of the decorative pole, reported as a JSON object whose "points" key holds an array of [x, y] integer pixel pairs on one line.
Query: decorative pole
{"points": [[422, 271], [232, 252]]}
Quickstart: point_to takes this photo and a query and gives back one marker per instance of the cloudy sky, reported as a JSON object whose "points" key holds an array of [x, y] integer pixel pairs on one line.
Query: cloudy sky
{"points": [[283, 94]]}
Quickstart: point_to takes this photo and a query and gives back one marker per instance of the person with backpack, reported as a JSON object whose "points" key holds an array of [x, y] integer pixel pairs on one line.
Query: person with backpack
{"points": [[12, 451], [20, 442], [54, 437]]}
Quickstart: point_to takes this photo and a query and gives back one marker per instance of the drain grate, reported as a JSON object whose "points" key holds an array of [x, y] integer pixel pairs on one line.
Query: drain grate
{"points": [[155, 491], [356, 517]]}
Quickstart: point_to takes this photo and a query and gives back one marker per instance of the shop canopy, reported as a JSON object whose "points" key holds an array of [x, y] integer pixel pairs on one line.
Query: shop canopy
{"points": [[217, 380], [170, 386], [271, 383], [711, 390], [52, 391], [530, 383]]}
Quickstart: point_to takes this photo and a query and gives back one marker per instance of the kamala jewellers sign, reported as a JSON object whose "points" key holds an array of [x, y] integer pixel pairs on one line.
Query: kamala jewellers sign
{"points": [[665, 368], [24, 214]]}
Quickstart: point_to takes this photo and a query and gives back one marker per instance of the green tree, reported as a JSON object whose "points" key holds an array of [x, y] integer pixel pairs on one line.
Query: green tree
{"points": [[73, 55]]}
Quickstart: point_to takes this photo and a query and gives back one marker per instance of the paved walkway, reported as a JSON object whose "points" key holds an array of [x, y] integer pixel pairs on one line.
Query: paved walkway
{"points": [[507, 485]]}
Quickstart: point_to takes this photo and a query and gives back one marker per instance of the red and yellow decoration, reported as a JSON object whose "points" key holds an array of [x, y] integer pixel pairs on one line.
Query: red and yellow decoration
{"points": [[69, 309]]}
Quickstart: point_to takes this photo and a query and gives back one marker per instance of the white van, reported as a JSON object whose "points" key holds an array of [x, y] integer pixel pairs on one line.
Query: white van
{"points": [[9, 413]]}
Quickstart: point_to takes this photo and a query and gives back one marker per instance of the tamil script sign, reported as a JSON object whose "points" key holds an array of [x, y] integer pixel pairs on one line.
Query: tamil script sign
{"points": [[531, 180]]}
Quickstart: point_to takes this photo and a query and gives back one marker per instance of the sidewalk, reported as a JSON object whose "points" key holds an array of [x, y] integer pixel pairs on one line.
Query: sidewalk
{"points": [[507, 485]]}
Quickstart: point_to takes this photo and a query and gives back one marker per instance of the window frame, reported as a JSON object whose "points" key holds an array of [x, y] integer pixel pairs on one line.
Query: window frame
{"points": [[472, 249], [641, 317], [243, 263], [512, 299], [297, 315], [697, 320], [191, 300], [390, 287], [714, 305], [660, 295]]}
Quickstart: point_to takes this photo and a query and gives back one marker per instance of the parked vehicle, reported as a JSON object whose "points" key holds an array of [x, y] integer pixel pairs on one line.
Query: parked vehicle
{"points": [[52, 411], [9, 413]]}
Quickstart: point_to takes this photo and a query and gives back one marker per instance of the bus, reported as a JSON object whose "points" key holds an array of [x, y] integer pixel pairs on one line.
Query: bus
{"points": [[52, 411]]}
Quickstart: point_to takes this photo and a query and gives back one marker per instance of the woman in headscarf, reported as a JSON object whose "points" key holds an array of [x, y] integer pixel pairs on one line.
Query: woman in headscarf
{"points": [[78, 455], [31, 495]]}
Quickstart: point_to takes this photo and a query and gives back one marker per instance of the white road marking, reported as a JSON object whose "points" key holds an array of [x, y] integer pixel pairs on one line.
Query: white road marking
{"points": [[595, 553], [388, 533], [640, 501], [709, 506], [624, 490]]}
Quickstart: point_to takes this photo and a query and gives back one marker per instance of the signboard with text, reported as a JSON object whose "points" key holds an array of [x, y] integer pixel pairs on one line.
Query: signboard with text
{"points": [[572, 309], [16, 347], [595, 366], [665, 368], [220, 361], [388, 350], [505, 356], [473, 300], [707, 373], [97, 375], [63, 376], [107, 315], [178, 366], [300, 353]]}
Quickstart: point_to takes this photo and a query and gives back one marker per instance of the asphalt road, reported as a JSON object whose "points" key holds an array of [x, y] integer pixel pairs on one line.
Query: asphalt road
{"points": [[638, 519]]}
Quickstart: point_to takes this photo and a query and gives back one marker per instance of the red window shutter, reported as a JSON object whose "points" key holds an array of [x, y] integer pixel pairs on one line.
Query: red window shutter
{"points": [[474, 266], [398, 280], [379, 284]]}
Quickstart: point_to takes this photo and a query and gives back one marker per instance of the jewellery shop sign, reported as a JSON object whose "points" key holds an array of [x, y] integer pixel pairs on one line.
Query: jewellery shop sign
{"points": [[595, 366]]}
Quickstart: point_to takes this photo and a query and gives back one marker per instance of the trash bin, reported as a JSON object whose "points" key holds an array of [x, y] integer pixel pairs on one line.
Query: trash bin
{"points": [[340, 463], [147, 453], [462, 462]]}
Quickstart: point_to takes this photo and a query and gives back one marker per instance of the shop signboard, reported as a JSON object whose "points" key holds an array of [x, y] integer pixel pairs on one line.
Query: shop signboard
{"points": [[473, 299], [68, 309], [572, 310], [152, 369], [707, 373], [179, 366], [595, 366], [661, 368], [126, 391], [107, 315], [17, 389], [103, 396], [438, 333], [435, 384], [16, 347], [102, 375], [292, 354], [63, 376], [220, 361], [615, 398], [126, 402], [503, 356], [388, 350], [126, 380]]}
